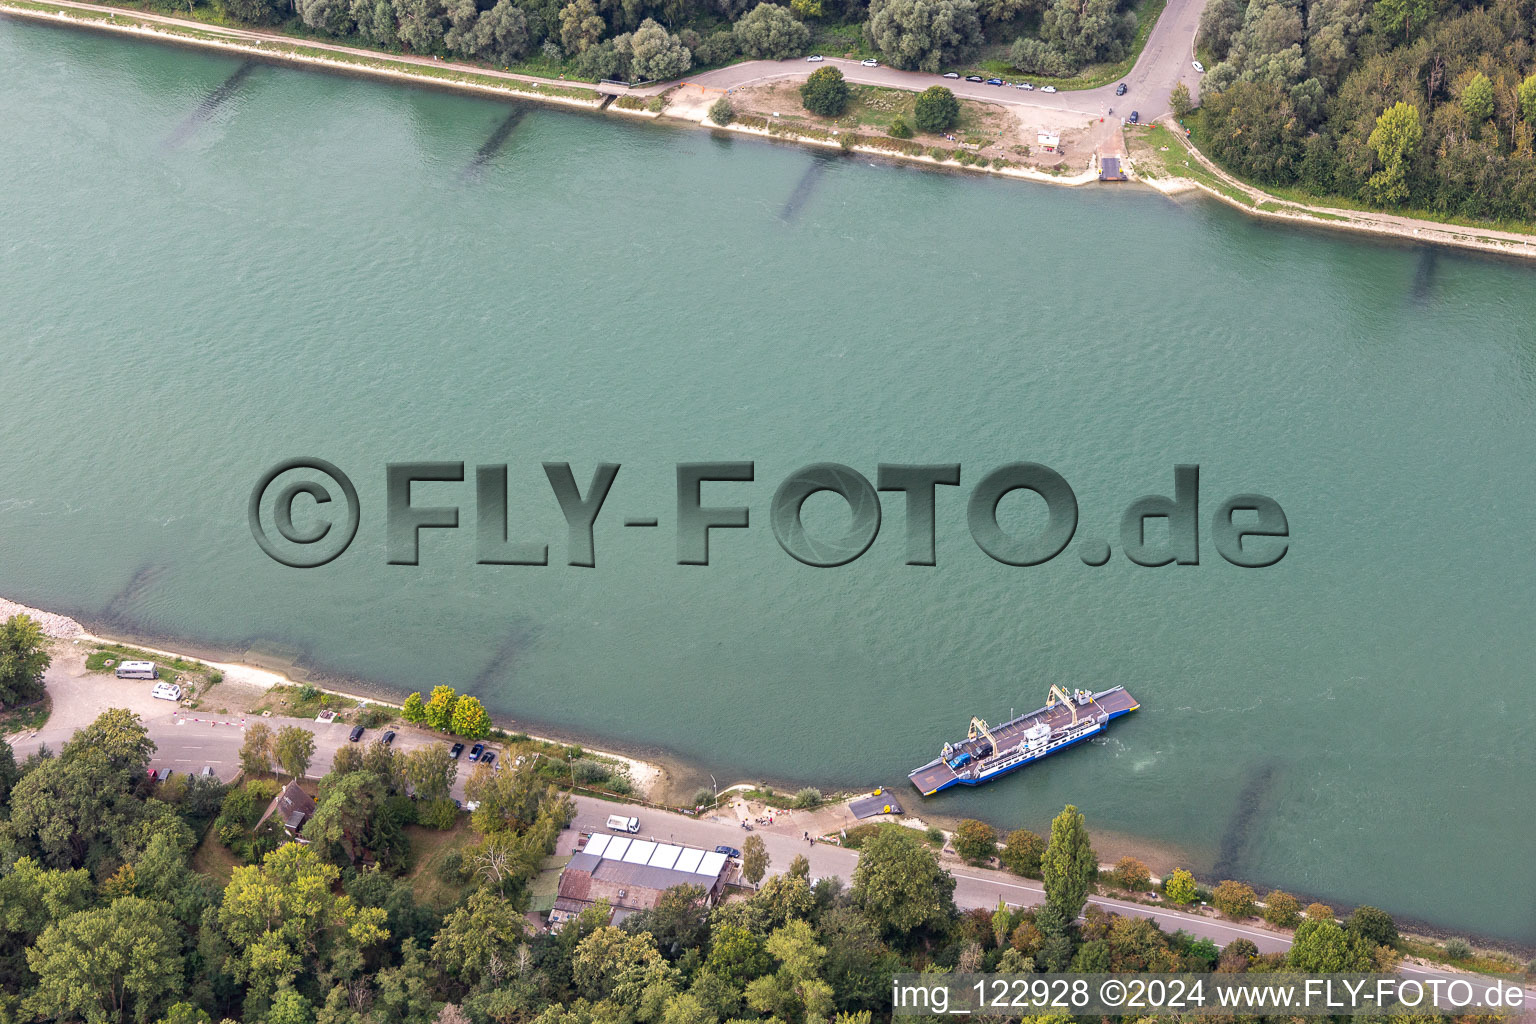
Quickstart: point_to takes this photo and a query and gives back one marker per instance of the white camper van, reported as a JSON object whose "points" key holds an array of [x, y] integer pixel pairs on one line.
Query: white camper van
{"points": [[138, 670]]}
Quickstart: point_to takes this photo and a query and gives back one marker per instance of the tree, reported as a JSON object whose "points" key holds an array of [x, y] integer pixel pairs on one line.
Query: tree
{"points": [[23, 660], [1525, 92], [1322, 947], [721, 112], [470, 719], [431, 771], [1403, 17], [108, 962], [439, 709], [293, 748], [1180, 887], [899, 128], [1477, 98], [770, 32], [1282, 909], [825, 92], [1086, 31], [477, 936], [1068, 865], [899, 885], [1395, 139], [975, 841], [924, 35], [1021, 853], [1132, 874], [937, 109], [654, 54], [580, 25], [1179, 101], [754, 859], [256, 12], [333, 17], [1319, 912], [1233, 898], [1373, 925], [1034, 57], [256, 751], [414, 709]]}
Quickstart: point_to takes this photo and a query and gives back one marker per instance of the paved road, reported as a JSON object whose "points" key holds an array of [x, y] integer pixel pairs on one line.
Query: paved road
{"points": [[1165, 61]]}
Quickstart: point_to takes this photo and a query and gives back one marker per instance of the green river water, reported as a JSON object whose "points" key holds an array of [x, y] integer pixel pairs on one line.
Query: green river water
{"points": [[196, 283]]}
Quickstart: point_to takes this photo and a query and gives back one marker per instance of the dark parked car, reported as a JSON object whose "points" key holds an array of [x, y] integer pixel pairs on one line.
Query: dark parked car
{"points": [[388, 737], [456, 750], [357, 734], [1135, 117], [1120, 89], [729, 851], [489, 757], [973, 78], [475, 752], [994, 81]]}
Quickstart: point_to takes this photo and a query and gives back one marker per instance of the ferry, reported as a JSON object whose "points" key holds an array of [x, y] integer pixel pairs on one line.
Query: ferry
{"points": [[988, 752]]}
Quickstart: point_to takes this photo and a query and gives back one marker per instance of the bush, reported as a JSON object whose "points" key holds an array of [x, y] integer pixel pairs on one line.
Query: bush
{"points": [[704, 798], [1034, 57], [935, 836], [721, 112], [899, 129], [1458, 948], [807, 798], [1281, 909], [1180, 887], [587, 772], [825, 92], [937, 110], [1179, 100], [1021, 853], [1131, 874], [975, 841], [1233, 898], [770, 32], [308, 693], [439, 814], [1373, 925], [1319, 912]]}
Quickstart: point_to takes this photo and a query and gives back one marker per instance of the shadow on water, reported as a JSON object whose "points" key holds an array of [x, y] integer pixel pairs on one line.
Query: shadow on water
{"points": [[476, 168], [210, 103], [1424, 275], [805, 186], [1252, 804], [119, 612], [499, 668]]}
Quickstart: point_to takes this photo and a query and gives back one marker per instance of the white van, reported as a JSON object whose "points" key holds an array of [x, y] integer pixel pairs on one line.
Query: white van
{"points": [[138, 670], [619, 823], [166, 691]]}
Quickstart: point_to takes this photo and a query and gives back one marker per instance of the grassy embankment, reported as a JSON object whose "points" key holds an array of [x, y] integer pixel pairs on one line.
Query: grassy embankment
{"points": [[1094, 75], [377, 61], [1294, 198], [194, 677]]}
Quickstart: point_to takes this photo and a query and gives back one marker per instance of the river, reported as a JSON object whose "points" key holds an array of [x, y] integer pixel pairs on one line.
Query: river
{"points": [[210, 267]]}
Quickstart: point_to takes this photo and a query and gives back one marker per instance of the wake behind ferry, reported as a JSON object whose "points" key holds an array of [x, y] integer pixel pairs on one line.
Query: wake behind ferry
{"points": [[990, 751]]}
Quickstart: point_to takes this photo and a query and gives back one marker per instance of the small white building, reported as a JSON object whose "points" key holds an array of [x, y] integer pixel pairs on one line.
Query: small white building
{"points": [[1050, 142]]}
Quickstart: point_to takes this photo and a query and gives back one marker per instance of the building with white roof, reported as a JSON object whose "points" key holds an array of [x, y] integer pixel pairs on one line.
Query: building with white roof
{"points": [[630, 874]]}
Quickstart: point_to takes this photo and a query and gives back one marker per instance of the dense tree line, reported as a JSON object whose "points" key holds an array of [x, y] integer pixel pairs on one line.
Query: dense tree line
{"points": [[1390, 102], [104, 919]]}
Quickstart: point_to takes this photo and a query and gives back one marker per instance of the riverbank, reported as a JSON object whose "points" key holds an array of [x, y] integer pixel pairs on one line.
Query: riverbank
{"points": [[1165, 159]]}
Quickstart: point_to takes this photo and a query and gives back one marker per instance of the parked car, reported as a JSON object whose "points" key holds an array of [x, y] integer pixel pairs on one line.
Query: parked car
{"points": [[870, 63], [729, 851], [388, 737], [1199, 68], [815, 58], [208, 772], [1047, 88], [166, 691], [489, 757], [1120, 89], [951, 74], [1135, 117], [973, 78], [994, 81], [455, 750], [475, 752], [1027, 86], [356, 734], [620, 823]]}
